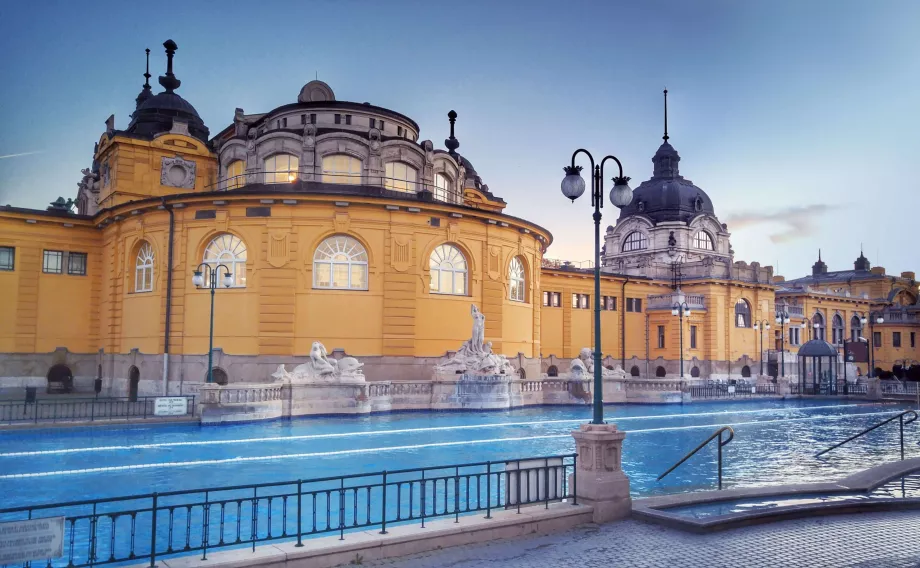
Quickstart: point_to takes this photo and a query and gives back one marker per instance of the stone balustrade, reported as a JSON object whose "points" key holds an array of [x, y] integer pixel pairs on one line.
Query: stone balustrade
{"points": [[668, 301], [240, 402], [241, 393]]}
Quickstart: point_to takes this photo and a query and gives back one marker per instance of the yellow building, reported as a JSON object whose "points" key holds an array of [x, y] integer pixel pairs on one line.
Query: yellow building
{"points": [[339, 225]]}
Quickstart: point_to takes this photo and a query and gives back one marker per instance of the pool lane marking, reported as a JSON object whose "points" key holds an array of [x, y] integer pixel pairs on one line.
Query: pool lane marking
{"points": [[399, 431], [240, 459]]}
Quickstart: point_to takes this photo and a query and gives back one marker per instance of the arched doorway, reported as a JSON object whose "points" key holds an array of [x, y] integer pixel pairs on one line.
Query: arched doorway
{"points": [[521, 374], [219, 376], [695, 372], [746, 372], [634, 371], [552, 371], [134, 380], [660, 372], [60, 379]]}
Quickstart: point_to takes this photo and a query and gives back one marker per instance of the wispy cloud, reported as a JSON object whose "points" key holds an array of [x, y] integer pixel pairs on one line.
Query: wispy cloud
{"points": [[797, 222], [20, 154]]}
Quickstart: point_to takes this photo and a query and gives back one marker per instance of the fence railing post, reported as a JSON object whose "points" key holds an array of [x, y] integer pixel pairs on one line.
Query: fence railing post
{"points": [[574, 479], [153, 533], [383, 509], [299, 513], [901, 429], [488, 490]]}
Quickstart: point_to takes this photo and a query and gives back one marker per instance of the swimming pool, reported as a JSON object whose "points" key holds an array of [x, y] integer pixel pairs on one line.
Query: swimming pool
{"points": [[775, 442]]}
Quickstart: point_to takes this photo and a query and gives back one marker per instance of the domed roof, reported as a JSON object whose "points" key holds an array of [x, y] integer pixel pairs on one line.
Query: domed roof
{"points": [[817, 348], [667, 196], [156, 114]]}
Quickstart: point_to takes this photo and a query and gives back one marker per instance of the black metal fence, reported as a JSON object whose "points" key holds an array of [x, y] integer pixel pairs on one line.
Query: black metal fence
{"points": [[841, 388], [82, 409], [146, 527]]}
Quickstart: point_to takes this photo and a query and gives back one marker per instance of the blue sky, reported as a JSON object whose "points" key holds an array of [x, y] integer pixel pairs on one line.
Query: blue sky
{"points": [[796, 117]]}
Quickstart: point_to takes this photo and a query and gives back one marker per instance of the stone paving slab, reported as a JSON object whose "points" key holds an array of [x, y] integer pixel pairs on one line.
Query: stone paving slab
{"points": [[871, 540]]}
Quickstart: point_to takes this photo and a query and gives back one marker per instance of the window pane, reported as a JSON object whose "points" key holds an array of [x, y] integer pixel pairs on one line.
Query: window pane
{"points": [[53, 261], [358, 277], [7, 255], [76, 264], [323, 274], [340, 275], [446, 281], [460, 283]]}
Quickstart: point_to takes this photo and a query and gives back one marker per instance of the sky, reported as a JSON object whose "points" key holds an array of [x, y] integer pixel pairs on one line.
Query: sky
{"points": [[795, 116]]}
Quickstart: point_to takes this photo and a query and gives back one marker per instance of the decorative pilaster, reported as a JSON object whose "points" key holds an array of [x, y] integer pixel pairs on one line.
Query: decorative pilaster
{"points": [[600, 481]]}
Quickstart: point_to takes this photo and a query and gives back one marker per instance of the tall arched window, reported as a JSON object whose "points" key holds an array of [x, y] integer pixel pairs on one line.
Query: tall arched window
{"points": [[236, 174], [742, 313], [340, 262], [817, 322], [448, 271], [855, 328], [341, 168], [838, 329], [400, 177], [230, 251], [143, 269], [518, 279], [281, 168], [635, 241], [442, 188], [702, 240]]}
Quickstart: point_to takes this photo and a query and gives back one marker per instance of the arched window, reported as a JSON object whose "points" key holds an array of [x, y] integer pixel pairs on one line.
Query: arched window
{"points": [[855, 328], [745, 371], [134, 381], [340, 262], [635, 241], [281, 168], [695, 372], [400, 176], [817, 323], [448, 271], [443, 188], [838, 329], [341, 168], [552, 371], [521, 374], [219, 376], [230, 251], [660, 372], [236, 174], [517, 279], [634, 371], [143, 271], [702, 240], [742, 313]]}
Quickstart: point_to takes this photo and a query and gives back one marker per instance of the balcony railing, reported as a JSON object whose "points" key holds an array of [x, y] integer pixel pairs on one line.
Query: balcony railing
{"points": [[557, 264], [302, 180], [793, 311], [668, 301]]}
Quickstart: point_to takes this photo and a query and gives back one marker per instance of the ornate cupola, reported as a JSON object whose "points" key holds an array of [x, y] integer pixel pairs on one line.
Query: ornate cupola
{"points": [[862, 263], [819, 268]]}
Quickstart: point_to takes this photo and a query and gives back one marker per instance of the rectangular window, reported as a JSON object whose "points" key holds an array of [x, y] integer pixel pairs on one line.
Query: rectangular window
{"points": [[896, 339], [53, 262], [399, 131], [546, 298], [372, 123], [557, 299], [913, 339], [610, 303], [633, 304], [76, 263], [381, 126], [348, 119], [284, 122], [692, 337], [338, 119], [277, 124], [794, 335], [303, 119], [575, 301], [877, 338], [312, 118], [585, 302], [660, 337], [8, 258]]}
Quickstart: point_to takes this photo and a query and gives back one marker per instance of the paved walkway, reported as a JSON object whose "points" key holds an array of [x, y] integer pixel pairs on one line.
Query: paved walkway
{"points": [[889, 539]]}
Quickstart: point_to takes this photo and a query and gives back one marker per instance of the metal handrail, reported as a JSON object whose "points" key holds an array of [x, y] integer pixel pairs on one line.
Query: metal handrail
{"points": [[716, 434], [899, 417]]}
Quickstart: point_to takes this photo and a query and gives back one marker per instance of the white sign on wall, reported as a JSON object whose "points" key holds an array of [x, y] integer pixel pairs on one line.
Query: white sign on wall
{"points": [[34, 539], [170, 406]]}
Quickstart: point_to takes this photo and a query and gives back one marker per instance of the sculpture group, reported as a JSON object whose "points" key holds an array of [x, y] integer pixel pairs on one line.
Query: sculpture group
{"points": [[583, 366], [322, 368], [475, 355]]}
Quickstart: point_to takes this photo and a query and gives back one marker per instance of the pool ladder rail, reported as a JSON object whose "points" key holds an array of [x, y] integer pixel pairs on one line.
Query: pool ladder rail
{"points": [[901, 423], [720, 444]]}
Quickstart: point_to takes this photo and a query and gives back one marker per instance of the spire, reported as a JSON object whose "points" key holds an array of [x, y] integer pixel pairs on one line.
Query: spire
{"points": [[145, 93], [665, 137], [169, 81], [452, 143], [819, 267], [862, 263]]}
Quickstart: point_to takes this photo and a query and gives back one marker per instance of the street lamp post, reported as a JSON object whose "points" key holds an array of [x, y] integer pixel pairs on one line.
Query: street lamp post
{"points": [[573, 185], [208, 275], [782, 318], [681, 309], [807, 323], [874, 317], [760, 326]]}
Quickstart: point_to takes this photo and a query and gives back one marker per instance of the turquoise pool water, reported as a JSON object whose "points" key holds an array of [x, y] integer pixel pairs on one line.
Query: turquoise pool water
{"points": [[775, 442]]}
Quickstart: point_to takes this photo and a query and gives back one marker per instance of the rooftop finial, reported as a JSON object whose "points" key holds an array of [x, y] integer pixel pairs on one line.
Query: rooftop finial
{"points": [[169, 81], [665, 137], [452, 143], [819, 255], [147, 72], [146, 92]]}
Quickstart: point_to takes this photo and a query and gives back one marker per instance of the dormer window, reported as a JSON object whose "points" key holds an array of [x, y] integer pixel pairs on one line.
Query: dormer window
{"points": [[635, 241], [703, 241]]}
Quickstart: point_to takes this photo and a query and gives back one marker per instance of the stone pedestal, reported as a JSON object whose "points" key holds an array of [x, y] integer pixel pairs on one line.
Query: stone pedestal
{"points": [[600, 481]]}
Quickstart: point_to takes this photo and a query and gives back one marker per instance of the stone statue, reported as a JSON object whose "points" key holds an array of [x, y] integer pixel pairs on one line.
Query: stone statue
{"points": [[321, 368], [584, 365], [474, 356]]}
